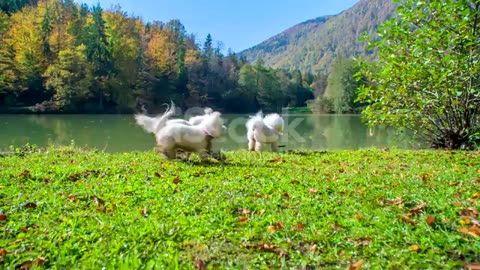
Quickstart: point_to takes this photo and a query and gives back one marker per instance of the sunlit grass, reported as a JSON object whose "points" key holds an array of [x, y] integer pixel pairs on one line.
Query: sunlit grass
{"points": [[74, 208]]}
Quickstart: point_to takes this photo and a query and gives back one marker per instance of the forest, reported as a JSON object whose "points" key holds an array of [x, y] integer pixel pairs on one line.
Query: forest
{"points": [[59, 56]]}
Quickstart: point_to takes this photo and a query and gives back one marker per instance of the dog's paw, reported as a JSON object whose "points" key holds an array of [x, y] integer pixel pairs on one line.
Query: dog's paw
{"points": [[219, 156]]}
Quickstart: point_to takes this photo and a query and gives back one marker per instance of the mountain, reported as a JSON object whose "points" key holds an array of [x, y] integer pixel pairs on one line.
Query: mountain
{"points": [[313, 45]]}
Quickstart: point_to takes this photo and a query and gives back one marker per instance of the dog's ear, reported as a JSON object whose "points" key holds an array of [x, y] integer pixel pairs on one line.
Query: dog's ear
{"points": [[218, 114]]}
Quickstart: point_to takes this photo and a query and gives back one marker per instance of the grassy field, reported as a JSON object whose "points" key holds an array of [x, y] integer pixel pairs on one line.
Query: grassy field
{"points": [[82, 209]]}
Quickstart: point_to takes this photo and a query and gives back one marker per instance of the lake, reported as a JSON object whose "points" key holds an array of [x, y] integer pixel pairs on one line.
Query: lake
{"points": [[119, 133]]}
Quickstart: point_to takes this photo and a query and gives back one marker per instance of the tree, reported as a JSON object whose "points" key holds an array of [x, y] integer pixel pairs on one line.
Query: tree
{"points": [[7, 70], [24, 39], [427, 76], [98, 54], [342, 85], [70, 78]]}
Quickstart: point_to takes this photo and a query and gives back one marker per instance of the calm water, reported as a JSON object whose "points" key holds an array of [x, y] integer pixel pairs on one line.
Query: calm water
{"points": [[119, 133]]}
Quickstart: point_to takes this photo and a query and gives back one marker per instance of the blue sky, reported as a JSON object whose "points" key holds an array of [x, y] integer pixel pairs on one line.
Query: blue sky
{"points": [[237, 24]]}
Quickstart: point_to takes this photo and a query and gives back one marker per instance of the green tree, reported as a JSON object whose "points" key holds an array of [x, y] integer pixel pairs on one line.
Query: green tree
{"points": [[98, 54], [342, 85], [427, 77], [70, 78]]}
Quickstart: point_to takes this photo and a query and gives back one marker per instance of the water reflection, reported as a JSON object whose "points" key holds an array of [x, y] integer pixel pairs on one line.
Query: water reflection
{"points": [[119, 133]]}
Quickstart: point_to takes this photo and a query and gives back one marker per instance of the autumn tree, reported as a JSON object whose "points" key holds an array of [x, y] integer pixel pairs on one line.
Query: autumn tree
{"points": [[24, 39], [124, 36], [427, 76], [70, 78]]}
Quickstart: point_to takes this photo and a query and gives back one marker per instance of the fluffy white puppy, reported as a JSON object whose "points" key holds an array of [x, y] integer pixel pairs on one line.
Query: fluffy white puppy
{"points": [[261, 131], [176, 135]]}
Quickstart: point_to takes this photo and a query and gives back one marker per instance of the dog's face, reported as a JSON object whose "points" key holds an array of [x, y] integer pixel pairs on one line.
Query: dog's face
{"points": [[214, 124]]}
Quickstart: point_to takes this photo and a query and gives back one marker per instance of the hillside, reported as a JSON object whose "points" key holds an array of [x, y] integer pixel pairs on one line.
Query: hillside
{"points": [[313, 44]]}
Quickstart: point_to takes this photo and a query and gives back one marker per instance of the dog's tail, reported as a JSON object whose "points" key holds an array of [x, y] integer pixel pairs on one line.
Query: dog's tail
{"points": [[255, 121], [275, 122], [154, 124]]}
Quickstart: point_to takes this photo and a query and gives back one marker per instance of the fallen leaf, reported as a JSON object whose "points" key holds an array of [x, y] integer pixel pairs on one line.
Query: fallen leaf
{"points": [[280, 225], [243, 220], [476, 195], [285, 194], [25, 173], [469, 212], [430, 220], [278, 159], [30, 205], [426, 176], [341, 170], [39, 261], [157, 174], [272, 228], [3, 217], [458, 204], [299, 227], [199, 264], [359, 217], [452, 184], [25, 265], [144, 211], [243, 211], [361, 241], [3, 252], [472, 266], [414, 248], [473, 231], [73, 161], [408, 220], [282, 253], [357, 265], [24, 230], [176, 180], [396, 201], [262, 211], [313, 190], [313, 248], [98, 201], [268, 247], [294, 182], [417, 209], [336, 226]]}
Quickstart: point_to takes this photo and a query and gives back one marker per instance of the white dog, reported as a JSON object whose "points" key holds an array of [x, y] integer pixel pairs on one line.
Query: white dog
{"points": [[182, 135], [262, 131]]}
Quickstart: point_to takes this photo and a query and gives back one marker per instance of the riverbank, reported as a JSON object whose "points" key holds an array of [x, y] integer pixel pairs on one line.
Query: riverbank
{"points": [[74, 208]]}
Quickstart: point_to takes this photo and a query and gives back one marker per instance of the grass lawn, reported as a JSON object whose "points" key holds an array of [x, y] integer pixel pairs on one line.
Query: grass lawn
{"points": [[73, 208]]}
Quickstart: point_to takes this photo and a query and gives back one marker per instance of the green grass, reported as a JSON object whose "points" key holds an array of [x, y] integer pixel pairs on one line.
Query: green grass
{"points": [[81, 209]]}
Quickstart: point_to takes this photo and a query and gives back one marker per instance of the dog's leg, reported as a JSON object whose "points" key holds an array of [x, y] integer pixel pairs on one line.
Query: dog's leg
{"points": [[274, 147], [170, 153], [204, 154], [251, 144], [258, 146]]}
